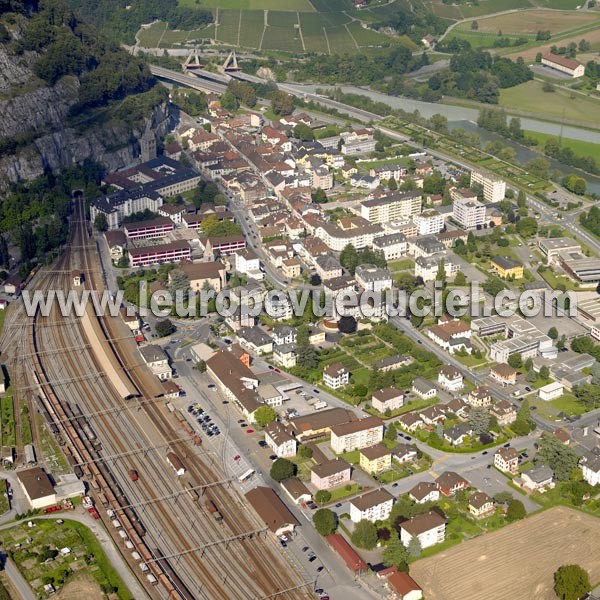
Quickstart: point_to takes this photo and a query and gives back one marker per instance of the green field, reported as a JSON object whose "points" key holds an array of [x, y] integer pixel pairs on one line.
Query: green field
{"points": [[560, 4], [288, 5], [229, 26], [478, 39], [253, 24], [531, 98], [488, 7], [579, 147]]}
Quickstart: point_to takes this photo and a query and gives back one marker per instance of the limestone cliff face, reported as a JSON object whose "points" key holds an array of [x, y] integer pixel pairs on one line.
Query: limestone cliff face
{"points": [[29, 106]]}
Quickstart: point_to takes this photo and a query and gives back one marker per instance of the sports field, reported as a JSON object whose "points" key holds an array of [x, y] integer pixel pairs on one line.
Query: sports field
{"points": [[517, 561], [530, 97], [532, 21]]}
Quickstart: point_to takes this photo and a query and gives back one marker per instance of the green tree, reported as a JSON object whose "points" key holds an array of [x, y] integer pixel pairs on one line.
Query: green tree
{"points": [[391, 433], [544, 372], [395, 553], [531, 376], [414, 548], [349, 258], [392, 184], [522, 424], [306, 355], [528, 364], [282, 103], [527, 226], [460, 278], [324, 521], [364, 535], [282, 469], [503, 497], [322, 497], [303, 132], [560, 458], [479, 420], [319, 196], [229, 101], [305, 451], [164, 328], [521, 199], [515, 360], [100, 222], [265, 415], [571, 582], [200, 366], [515, 511]]}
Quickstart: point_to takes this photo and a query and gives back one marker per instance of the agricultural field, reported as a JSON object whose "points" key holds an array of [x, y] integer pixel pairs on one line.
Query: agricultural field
{"points": [[458, 12], [288, 5], [532, 21], [530, 97], [517, 561], [228, 28]]}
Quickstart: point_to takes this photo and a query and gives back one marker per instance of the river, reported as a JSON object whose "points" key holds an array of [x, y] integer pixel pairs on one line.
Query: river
{"points": [[461, 116]]}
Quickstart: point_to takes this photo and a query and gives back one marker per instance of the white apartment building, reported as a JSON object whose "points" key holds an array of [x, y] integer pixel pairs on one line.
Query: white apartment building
{"points": [[494, 189], [395, 207], [469, 213], [279, 440], [393, 246], [429, 222], [247, 262], [372, 506], [427, 266], [358, 236], [278, 307], [336, 376], [429, 528], [355, 435], [450, 378], [372, 278]]}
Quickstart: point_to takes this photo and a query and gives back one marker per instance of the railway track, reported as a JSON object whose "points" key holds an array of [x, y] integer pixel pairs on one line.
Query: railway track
{"points": [[158, 524]]}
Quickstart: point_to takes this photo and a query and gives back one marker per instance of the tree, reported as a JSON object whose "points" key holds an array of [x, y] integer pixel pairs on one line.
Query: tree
{"points": [[200, 366], [347, 324], [324, 521], [392, 184], [164, 328], [515, 360], [395, 553], [265, 415], [560, 458], [282, 469], [531, 376], [503, 497], [528, 364], [521, 199], [349, 258], [571, 582], [527, 226], [282, 103], [522, 424], [179, 281], [460, 279], [319, 196], [306, 356], [322, 497], [229, 101], [303, 132], [414, 548], [515, 510], [364, 535], [544, 372], [474, 25], [305, 451], [391, 432], [100, 222], [479, 420]]}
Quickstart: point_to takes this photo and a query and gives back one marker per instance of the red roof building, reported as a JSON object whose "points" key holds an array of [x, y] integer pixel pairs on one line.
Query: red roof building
{"points": [[353, 561]]}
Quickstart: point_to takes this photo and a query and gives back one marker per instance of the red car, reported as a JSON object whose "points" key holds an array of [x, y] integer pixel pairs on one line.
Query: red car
{"points": [[249, 430], [236, 457]]}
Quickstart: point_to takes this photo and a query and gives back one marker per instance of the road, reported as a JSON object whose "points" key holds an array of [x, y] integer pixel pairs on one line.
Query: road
{"points": [[18, 581]]}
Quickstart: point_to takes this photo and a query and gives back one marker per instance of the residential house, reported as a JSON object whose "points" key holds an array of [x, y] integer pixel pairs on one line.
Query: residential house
{"points": [[457, 434], [285, 355], [283, 334], [393, 246], [481, 505], [452, 335], [375, 459], [450, 378], [507, 268], [504, 374], [372, 506], [401, 585], [538, 478], [504, 411], [330, 474], [450, 482], [424, 491], [356, 434], [507, 460], [389, 398], [423, 388], [391, 363], [404, 453], [296, 490], [336, 376], [410, 422], [291, 268], [590, 466], [433, 415], [279, 440], [255, 340], [327, 267], [480, 397], [429, 528], [319, 424], [458, 407], [203, 275], [373, 278]]}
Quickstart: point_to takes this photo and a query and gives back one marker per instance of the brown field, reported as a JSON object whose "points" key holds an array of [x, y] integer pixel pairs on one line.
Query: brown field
{"points": [[532, 21], [517, 561], [593, 37]]}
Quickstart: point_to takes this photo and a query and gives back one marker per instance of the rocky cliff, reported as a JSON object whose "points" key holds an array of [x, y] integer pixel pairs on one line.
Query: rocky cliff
{"points": [[38, 134]]}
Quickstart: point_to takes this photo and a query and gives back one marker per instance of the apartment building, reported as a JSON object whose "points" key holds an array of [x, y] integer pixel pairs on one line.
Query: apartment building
{"points": [[356, 434], [429, 528], [375, 459], [469, 213], [394, 207], [372, 506], [330, 474], [373, 278], [429, 222], [336, 376], [161, 253], [494, 189], [280, 441], [393, 246]]}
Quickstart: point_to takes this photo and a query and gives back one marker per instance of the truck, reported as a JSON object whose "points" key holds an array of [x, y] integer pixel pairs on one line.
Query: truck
{"points": [[133, 474], [92, 510], [213, 510]]}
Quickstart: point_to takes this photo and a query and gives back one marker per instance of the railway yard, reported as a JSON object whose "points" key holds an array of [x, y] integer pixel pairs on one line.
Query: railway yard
{"points": [[85, 377]]}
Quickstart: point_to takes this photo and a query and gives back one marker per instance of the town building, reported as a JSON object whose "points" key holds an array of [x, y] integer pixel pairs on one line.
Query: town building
{"points": [[375, 459], [173, 252], [204, 275], [504, 374], [507, 268], [590, 466], [429, 528], [393, 207], [393, 246], [429, 222], [296, 490], [494, 189], [372, 506], [404, 453], [272, 511], [427, 267], [457, 434], [480, 396], [255, 340], [401, 585], [469, 213], [423, 388], [551, 391], [316, 425], [330, 474], [372, 278], [450, 482], [410, 422], [538, 478], [158, 361], [451, 335], [279, 440], [357, 434], [552, 247], [450, 378], [37, 487], [504, 411], [389, 398]]}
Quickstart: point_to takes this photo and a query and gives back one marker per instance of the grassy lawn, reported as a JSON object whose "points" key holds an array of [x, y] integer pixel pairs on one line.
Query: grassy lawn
{"points": [[567, 404], [579, 147], [342, 492], [304, 465], [396, 472], [86, 556], [471, 361], [401, 265], [4, 506], [353, 457], [554, 280], [8, 421], [530, 97]]}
